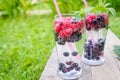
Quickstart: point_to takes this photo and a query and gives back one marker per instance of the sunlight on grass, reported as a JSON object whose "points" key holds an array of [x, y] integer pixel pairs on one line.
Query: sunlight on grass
{"points": [[25, 46]]}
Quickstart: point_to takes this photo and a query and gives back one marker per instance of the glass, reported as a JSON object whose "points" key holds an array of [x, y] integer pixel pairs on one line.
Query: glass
{"points": [[96, 31], [69, 36]]}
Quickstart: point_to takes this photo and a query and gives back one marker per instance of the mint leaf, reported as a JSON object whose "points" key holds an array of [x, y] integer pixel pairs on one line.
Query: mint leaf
{"points": [[116, 46], [107, 4], [112, 11], [118, 57], [117, 52]]}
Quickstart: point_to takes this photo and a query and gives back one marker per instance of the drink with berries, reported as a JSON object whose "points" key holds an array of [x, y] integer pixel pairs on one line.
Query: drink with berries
{"points": [[68, 35], [96, 31]]}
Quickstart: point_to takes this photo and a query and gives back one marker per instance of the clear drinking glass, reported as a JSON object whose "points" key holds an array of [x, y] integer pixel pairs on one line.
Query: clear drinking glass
{"points": [[96, 31], [69, 36]]}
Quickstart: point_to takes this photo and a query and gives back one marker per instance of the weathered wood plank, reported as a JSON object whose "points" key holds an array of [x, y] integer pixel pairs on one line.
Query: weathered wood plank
{"points": [[110, 70]]}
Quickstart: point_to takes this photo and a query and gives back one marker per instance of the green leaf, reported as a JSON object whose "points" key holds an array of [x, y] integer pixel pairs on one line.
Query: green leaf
{"points": [[112, 11], [116, 46], [88, 9], [117, 52], [118, 57], [107, 4]]}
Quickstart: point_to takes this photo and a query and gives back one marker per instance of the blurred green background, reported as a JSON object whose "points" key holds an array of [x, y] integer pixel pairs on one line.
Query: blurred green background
{"points": [[26, 34]]}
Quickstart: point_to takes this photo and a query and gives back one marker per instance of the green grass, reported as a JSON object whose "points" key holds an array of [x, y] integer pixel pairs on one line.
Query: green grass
{"points": [[115, 25], [25, 46]]}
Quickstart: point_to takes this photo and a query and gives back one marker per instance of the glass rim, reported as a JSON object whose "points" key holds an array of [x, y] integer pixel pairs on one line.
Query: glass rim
{"points": [[64, 15]]}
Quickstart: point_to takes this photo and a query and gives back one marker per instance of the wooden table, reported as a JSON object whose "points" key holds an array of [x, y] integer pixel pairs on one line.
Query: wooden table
{"points": [[108, 71]]}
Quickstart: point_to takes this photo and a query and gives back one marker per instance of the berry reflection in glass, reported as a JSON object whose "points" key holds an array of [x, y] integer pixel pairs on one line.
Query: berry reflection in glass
{"points": [[68, 32], [96, 31]]}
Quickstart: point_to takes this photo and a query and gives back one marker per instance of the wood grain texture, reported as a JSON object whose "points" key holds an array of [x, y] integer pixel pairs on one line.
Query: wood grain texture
{"points": [[109, 70]]}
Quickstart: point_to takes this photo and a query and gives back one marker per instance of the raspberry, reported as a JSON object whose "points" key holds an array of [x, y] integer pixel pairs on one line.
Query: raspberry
{"points": [[74, 27], [66, 25], [57, 28], [68, 32], [81, 24], [62, 35]]}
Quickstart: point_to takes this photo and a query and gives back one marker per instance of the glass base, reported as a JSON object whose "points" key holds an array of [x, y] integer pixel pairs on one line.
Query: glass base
{"points": [[93, 62], [70, 75]]}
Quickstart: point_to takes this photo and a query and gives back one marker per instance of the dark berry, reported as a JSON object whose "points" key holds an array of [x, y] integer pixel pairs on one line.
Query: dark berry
{"points": [[88, 28], [101, 41], [93, 57], [64, 70], [68, 69], [99, 18], [71, 67], [97, 58], [77, 68], [94, 21], [90, 41], [96, 28], [103, 25], [66, 54], [75, 64], [74, 53], [62, 66], [85, 55], [80, 37], [69, 62], [61, 41], [77, 38], [101, 48]]}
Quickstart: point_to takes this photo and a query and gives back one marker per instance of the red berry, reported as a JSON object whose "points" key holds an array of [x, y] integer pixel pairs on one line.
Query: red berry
{"points": [[81, 24], [74, 27], [66, 25], [68, 32], [57, 28], [62, 35]]}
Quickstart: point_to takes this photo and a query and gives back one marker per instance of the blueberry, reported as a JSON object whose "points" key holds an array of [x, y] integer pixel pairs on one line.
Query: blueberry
{"points": [[61, 41], [88, 28], [97, 58], [77, 68], [77, 38], [69, 62], [90, 41], [61, 66], [66, 54], [74, 53], [101, 41], [93, 57], [71, 67], [86, 56], [101, 48]]}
